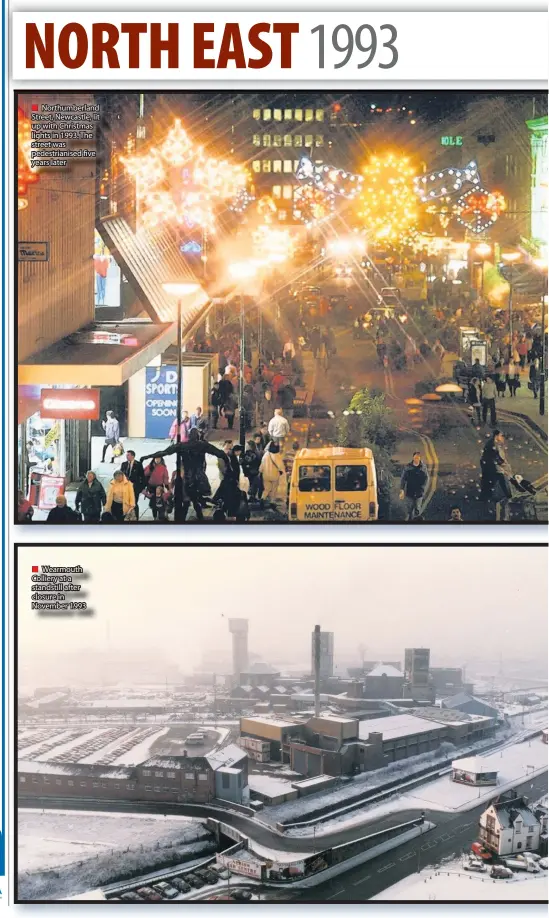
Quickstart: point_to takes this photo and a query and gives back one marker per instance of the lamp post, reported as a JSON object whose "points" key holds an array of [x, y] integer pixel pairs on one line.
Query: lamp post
{"points": [[179, 291], [542, 265], [483, 250], [510, 258]]}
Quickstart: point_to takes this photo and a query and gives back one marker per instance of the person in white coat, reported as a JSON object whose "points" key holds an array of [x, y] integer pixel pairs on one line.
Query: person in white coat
{"points": [[279, 427], [273, 472]]}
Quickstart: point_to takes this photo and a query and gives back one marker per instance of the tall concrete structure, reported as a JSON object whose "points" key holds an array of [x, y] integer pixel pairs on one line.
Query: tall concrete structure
{"points": [[326, 639], [239, 630], [416, 671], [316, 658]]}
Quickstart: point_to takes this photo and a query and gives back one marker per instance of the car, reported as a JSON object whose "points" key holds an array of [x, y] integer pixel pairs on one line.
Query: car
{"points": [[148, 894], [207, 875], [242, 895], [194, 880], [499, 872], [343, 270], [473, 863], [543, 863], [130, 897], [165, 890], [181, 884]]}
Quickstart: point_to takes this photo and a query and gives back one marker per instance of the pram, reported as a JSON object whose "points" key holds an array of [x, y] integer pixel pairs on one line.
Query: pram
{"points": [[522, 504]]}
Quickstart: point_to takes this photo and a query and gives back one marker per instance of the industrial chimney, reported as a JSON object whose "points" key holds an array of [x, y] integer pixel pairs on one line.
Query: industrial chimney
{"points": [[316, 667], [239, 630]]}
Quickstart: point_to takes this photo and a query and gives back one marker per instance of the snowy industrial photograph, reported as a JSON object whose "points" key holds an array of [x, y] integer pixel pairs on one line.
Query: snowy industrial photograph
{"points": [[336, 724]]}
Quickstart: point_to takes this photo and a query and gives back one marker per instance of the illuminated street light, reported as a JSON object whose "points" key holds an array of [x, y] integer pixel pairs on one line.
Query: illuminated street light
{"points": [[483, 249], [179, 290]]}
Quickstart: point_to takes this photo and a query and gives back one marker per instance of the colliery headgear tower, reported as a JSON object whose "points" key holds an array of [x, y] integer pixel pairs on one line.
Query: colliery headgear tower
{"points": [[239, 630]]}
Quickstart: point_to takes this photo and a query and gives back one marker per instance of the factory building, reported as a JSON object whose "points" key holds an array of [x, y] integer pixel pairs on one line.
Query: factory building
{"points": [[219, 775], [417, 683], [470, 705], [383, 681]]}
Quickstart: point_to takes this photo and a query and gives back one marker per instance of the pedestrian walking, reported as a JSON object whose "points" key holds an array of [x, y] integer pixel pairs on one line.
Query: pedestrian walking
{"points": [[199, 422], [155, 474], [522, 349], [288, 351], [90, 498], [279, 427], [120, 498], [251, 462], [25, 510], [314, 340], [229, 409], [534, 377], [489, 394], [474, 396], [161, 503], [184, 428], [216, 402], [135, 473], [413, 485], [495, 470], [273, 474], [62, 513], [112, 434], [286, 398], [478, 370]]}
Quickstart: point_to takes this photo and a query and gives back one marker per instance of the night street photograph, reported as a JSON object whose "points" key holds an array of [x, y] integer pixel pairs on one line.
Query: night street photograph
{"points": [[281, 306]]}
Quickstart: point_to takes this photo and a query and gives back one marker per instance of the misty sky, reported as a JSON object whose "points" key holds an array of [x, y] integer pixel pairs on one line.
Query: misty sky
{"points": [[460, 602]]}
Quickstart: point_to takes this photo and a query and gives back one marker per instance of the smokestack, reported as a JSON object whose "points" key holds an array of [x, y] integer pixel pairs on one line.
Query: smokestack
{"points": [[239, 630], [316, 667]]}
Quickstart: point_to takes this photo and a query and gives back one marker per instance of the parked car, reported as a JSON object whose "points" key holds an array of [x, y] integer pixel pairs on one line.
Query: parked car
{"points": [[473, 863], [181, 885], [130, 897], [543, 863], [165, 890], [194, 880], [148, 894], [207, 875], [499, 872]]}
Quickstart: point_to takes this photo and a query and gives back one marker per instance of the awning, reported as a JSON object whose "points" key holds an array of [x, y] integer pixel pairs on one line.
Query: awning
{"points": [[148, 261], [102, 354]]}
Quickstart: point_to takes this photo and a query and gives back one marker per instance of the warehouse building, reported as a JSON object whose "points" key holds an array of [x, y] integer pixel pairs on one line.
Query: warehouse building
{"points": [[173, 779], [470, 705], [383, 681]]}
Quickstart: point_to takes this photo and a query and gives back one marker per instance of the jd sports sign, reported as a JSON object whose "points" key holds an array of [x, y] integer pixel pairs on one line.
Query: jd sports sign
{"points": [[160, 401]]}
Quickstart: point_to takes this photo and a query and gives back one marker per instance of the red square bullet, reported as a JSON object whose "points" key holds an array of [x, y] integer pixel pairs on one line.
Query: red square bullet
{"points": [[35, 568], [34, 108]]}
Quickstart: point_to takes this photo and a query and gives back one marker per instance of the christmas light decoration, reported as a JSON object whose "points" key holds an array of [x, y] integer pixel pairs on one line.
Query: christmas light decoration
{"points": [[444, 209], [241, 201], [312, 205], [478, 209], [438, 183], [272, 245], [266, 208], [25, 174], [387, 204], [328, 178], [178, 183]]}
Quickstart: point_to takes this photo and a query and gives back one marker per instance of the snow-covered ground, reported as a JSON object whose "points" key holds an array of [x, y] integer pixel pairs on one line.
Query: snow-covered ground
{"points": [[452, 882], [514, 764], [269, 784]]}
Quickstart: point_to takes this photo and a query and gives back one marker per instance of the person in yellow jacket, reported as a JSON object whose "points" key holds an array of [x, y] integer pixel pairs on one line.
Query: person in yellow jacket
{"points": [[120, 497]]}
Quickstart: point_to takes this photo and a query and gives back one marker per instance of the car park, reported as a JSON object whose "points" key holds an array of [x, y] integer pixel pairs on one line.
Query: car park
{"points": [[181, 884], [165, 890], [194, 880], [148, 894]]}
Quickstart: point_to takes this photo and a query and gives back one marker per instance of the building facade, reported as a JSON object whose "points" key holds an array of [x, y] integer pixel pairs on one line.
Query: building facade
{"points": [[510, 827]]}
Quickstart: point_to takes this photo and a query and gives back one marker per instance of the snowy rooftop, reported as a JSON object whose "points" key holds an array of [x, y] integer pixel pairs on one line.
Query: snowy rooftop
{"points": [[453, 701], [226, 757], [270, 786], [94, 771], [271, 721], [474, 764], [336, 719], [313, 782], [46, 699], [393, 727], [382, 670]]}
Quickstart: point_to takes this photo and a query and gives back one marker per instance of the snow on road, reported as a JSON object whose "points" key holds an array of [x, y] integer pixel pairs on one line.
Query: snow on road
{"points": [[454, 883], [139, 753], [513, 763]]}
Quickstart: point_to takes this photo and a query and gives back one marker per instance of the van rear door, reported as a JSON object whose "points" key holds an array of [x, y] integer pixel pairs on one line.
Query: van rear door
{"points": [[351, 490], [315, 490]]}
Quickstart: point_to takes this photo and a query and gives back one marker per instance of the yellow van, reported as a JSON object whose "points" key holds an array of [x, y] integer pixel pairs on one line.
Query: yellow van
{"points": [[333, 483]]}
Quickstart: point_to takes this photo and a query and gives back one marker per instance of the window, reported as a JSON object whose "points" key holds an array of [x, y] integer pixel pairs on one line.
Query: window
{"points": [[298, 140], [309, 114], [308, 140], [46, 780], [287, 114], [202, 776], [266, 140], [159, 774], [170, 774], [288, 165], [288, 192], [146, 773], [189, 776], [277, 114], [103, 783], [256, 165], [130, 786], [256, 140], [95, 784], [58, 780], [70, 783], [148, 787], [519, 845], [351, 478], [518, 828], [319, 140], [225, 781], [266, 165], [83, 784], [157, 790], [296, 164], [256, 114], [277, 191], [23, 780], [277, 140], [287, 140], [266, 114], [319, 114], [35, 780], [299, 114], [277, 165], [314, 478]]}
